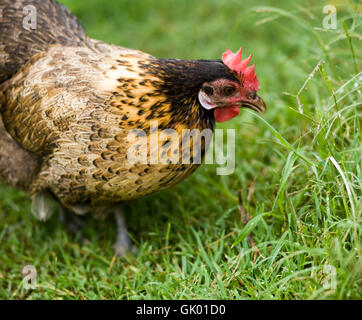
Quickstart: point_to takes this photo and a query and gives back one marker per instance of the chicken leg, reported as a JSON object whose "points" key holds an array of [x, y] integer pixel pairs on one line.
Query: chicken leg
{"points": [[73, 222], [123, 244]]}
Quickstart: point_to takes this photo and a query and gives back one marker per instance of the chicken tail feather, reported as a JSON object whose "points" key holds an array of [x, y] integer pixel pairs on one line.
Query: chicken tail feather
{"points": [[28, 27]]}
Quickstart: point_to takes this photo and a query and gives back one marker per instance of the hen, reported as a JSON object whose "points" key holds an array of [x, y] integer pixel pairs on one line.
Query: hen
{"points": [[68, 104]]}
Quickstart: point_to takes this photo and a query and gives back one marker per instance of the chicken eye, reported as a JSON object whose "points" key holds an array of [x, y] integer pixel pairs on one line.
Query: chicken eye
{"points": [[228, 90]]}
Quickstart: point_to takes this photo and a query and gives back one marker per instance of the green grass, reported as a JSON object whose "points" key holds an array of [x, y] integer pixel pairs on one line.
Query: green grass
{"points": [[298, 169]]}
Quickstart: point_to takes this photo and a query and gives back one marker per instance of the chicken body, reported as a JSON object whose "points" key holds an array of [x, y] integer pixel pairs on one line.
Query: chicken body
{"points": [[72, 104], [68, 105], [74, 108]]}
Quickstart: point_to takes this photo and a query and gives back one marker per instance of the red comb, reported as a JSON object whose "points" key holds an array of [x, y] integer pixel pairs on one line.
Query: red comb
{"points": [[246, 74]]}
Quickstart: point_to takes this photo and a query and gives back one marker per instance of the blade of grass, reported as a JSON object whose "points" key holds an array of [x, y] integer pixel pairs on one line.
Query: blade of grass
{"points": [[350, 45], [249, 227], [284, 142]]}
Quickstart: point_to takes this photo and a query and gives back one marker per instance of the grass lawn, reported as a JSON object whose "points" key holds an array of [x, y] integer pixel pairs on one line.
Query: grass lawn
{"points": [[297, 170]]}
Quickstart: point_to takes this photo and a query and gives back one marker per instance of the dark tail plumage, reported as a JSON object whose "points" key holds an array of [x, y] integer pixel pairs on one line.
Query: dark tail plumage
{"points": [[28, 27]]}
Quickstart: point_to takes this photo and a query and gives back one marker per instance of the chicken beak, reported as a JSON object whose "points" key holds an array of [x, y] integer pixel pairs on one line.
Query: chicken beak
{"points": [[256, 104]]}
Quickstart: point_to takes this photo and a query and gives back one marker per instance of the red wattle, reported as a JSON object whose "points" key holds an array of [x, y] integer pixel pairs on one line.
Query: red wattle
{"points": [[225, 114]]}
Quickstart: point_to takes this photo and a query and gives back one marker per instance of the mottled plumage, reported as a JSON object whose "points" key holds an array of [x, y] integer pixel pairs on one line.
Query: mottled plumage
{"points": [[69, 102]]}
